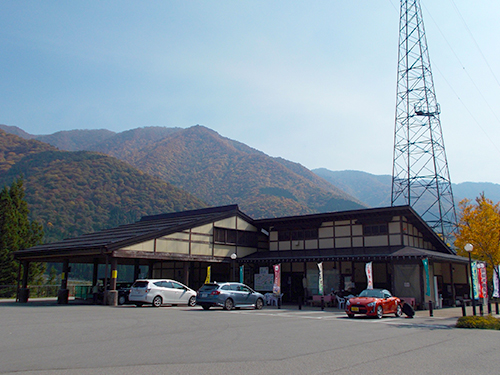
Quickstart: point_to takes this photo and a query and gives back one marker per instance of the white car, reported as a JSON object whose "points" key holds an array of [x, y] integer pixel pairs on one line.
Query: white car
{"points": [[161, 291]]}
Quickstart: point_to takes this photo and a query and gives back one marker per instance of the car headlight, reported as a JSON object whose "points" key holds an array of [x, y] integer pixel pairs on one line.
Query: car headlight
{"points": [[348, 302], [371, 304]]}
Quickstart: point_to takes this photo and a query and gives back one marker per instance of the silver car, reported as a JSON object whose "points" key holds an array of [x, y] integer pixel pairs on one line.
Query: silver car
{"points": [[161, 291], [228, 295]]}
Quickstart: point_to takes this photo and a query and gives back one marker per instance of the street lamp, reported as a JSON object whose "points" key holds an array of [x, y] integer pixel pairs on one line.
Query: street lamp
{"points": [[233, 258], [468, 247]]}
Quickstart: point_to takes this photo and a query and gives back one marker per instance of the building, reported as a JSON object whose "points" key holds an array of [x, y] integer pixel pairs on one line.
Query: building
{"points": [[407, 257]]}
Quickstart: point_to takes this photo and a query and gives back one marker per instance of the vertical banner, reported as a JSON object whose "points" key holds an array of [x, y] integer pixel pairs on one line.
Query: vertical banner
{"points": [[369, 275], [277, 279], [482, 280], [242, 272], [207, 280], [427, 282], [496, 289], [320, 279], [475, 281]]}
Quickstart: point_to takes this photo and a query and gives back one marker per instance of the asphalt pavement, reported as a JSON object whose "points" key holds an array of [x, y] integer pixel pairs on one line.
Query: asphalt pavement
{"points": [[43, 338]]}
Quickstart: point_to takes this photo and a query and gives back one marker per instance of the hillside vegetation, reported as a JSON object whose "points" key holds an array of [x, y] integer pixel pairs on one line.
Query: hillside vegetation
{"points": [[217, 170], [71, 193], [222, 171]]}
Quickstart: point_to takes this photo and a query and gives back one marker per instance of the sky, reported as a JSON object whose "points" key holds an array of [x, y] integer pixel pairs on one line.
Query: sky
{"points": [[313, 82]]}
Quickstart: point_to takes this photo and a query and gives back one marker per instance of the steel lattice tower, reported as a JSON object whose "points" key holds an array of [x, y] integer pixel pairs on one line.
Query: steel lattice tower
{"points": [[420, 176]]}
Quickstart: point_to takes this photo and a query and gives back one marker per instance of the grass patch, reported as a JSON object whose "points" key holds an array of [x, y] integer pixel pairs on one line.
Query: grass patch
{"points": [[479, 322]]}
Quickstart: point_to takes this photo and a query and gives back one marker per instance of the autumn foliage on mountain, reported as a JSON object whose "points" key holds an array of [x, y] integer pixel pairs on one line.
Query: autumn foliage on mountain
{"points": [[71, 193], [221, 171], [78, 192]]}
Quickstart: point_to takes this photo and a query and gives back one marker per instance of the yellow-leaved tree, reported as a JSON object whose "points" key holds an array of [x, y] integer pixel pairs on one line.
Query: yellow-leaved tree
{"points": [[479, 225]]}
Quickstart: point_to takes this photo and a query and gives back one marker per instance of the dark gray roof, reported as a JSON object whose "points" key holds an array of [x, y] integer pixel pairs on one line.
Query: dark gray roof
{"points": [[149, 227]]}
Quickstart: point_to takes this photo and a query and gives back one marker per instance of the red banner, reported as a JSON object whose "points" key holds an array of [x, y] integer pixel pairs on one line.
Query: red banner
{"points": [[277, 279]]}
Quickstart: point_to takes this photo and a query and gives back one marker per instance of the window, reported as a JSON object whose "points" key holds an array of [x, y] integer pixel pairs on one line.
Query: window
{"points": [[177, 285], [375, 229], [235, 237]]}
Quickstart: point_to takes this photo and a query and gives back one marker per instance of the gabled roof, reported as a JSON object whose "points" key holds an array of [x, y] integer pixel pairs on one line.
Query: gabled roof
{"points": [[366, 215], [148, 228]]}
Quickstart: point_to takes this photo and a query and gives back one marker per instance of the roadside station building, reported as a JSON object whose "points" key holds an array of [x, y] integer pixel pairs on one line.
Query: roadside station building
{"points": [[183, 245]]}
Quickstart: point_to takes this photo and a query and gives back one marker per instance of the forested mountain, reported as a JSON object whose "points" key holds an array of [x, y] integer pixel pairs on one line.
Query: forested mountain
{"points": [[222, 171], [14, 148], [71, 193], [375, 190], [75, 140]]}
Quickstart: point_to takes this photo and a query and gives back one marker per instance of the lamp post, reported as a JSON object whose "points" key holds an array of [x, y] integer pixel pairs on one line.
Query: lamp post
{"points": [[468, 247], [233, 258]]}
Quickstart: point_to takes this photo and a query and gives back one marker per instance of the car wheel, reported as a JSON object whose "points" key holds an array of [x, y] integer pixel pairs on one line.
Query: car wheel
{"points": [[399, 311], [259, 304], [380, 312], [205, 306], [121, 300], [138, 304], [157, 301], [192, 301], [229, 304], [350, 316]]}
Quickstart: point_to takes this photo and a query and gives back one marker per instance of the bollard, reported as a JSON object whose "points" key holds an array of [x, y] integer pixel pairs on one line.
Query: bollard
{"points": [[496, 307], [322, 303], [279, 302], [489, 308], [481, 309], [300, 302], [431, 313], [464, 312], [473, 307]]}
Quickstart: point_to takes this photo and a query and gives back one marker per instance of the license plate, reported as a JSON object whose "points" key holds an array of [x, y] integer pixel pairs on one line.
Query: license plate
{"points": [[203, 294], [354, 308]]}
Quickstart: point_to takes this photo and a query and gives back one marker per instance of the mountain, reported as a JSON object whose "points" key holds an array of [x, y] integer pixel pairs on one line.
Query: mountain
{"points": [[375, 190], [75, 140], [217, 170], [222, 171], [16, 131], [125, 144], [14, 148], [71, 193]]}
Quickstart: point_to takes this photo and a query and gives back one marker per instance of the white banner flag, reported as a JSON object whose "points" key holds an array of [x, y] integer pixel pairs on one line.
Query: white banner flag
{"points": [[320, 281], [369, 275], [496, 289]]}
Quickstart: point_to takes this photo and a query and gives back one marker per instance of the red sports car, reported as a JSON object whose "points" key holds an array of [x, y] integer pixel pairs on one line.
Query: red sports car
{"points": [[374, 302]]}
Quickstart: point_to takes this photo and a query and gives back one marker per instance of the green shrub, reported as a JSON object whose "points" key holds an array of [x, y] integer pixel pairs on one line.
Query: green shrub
{"points": [[480, 322]]}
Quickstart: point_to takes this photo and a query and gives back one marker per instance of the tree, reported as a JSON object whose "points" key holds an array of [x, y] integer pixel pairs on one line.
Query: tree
{"points": [[17, 232], [479, 225]]}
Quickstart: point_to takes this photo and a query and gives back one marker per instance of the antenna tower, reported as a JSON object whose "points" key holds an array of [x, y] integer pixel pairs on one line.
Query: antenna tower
{"points": [[420, 176]]}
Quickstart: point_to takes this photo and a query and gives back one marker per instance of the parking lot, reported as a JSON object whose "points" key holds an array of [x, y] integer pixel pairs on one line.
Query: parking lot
{"points": [[44, 338]]}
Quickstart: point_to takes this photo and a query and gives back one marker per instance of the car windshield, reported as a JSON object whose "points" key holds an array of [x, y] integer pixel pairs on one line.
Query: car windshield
{"points": [[376, 293]]}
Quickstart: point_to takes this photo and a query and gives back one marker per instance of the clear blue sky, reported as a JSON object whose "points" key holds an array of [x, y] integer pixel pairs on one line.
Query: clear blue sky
{"points": [[313, 82]]}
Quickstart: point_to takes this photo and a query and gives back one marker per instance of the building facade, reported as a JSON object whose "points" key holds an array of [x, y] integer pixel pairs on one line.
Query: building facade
{"points": [[407, 257]]}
